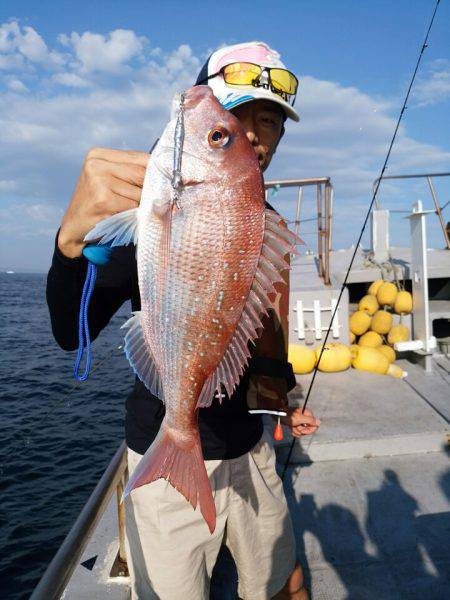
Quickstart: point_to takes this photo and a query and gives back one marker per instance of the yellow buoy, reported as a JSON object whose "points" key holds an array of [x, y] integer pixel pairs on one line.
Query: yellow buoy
{"points": [[371, 339], [398, 333], [352, 337], [374, 287], [359, 322], [368, 304], [381, 322], [369, 359], [302, 358], [335, 357], [388, 352], [403, 303], [387, 293], [396, 371]]}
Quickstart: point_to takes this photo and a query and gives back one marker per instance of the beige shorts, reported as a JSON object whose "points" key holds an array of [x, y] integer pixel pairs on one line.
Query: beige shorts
{"points": [[171, 553]]}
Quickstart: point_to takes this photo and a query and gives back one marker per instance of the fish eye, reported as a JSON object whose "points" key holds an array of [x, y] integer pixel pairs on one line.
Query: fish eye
{"points": [[218, 137]]}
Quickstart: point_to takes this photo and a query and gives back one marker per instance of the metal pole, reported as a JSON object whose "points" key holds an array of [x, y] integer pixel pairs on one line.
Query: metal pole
{"points": [[55, 578], [299, 204], [331, 212], [327, 234], [439, 212], [319, 229], [121, 519]]}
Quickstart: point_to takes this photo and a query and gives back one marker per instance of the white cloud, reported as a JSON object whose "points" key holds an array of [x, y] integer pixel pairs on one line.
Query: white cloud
{"points": [[11, 61], [8, 185], [434, 85], [43, 212], [109, 53], [329, 141], [32, 46], [343, 132], [15, 85], [22, 45], [70, 80]]}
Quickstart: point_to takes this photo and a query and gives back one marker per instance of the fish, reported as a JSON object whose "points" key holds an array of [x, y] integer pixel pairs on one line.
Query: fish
{"points": [[209, 254]]}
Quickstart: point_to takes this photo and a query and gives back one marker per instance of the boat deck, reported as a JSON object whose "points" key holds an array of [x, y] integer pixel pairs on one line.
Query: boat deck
{"points": [[369, 493], [304, 267]]}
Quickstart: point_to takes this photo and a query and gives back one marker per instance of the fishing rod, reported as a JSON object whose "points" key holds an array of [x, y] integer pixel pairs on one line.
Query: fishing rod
{"points": [[361, 233]]}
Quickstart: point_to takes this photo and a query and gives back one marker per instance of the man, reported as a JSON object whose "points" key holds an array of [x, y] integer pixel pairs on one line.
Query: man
{"points": [[171, 553]]}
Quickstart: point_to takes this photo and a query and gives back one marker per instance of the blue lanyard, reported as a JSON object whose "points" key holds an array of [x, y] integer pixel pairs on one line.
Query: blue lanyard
{"points": [[96, 255]]}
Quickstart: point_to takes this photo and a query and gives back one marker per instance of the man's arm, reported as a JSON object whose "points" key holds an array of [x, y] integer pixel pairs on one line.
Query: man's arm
{"points": [[65, 282], [110, 182]]}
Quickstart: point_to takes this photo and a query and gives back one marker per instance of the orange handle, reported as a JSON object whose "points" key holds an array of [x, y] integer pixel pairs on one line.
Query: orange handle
{"points": [[278, 433]]}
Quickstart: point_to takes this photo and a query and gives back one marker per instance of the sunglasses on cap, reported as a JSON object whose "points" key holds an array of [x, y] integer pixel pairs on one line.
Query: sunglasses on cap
{"points": [[279, 81]]}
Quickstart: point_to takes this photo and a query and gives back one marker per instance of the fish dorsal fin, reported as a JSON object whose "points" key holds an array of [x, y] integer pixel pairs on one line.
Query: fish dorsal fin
{"points": [[117, 230], [278, 241], [140, 357]]}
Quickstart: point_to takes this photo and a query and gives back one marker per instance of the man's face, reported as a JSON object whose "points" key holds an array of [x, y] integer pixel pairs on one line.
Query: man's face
{"points": [[263, 123]]}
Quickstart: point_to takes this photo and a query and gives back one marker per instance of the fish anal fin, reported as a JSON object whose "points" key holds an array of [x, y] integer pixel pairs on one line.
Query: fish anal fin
{"points": [[182, 465]]}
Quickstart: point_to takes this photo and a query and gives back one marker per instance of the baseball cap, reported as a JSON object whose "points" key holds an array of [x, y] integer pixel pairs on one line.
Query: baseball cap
{"points": [[230, 96]]}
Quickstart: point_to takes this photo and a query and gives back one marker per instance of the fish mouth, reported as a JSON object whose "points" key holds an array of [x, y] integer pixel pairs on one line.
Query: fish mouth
{"points": [[196, 94]]}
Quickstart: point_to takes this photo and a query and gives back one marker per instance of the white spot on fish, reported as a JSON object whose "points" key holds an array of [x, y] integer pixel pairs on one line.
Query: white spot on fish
{"points": [[235, 276], [225, 265], [241, 251], [215, 320]]}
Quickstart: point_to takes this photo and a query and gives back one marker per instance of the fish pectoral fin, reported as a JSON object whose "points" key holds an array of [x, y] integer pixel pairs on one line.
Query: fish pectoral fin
{"points": [[182, 466], [120, 229], [278, 241], [140, 356]]}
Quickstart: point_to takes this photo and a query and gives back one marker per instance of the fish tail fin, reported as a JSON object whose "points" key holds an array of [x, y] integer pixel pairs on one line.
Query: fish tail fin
{"points": [[182, 465]]}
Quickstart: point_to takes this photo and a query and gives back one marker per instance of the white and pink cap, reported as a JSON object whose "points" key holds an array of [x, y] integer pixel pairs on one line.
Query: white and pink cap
{"points": [[230, 96]]}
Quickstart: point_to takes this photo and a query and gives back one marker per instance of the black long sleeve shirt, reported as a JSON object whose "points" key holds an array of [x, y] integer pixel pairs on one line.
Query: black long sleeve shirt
{"points": [[227, 430]]}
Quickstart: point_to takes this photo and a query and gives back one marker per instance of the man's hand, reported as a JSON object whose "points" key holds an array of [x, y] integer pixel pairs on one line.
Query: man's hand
{"points": [[110, 182], [300, 423]]}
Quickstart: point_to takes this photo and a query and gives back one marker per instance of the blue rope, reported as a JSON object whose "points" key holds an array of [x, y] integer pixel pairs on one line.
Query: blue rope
{"points": [[83, 325]]}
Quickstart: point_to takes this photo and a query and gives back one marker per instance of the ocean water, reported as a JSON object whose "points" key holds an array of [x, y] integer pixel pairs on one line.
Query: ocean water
{"points": [[56, 436]]}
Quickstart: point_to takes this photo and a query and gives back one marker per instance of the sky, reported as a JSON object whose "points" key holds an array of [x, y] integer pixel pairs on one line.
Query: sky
{"points": [[77, 75]]}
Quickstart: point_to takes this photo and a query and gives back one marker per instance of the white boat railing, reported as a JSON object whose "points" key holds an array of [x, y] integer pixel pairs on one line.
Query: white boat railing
{"points": [[325, 197], [438, 208]]}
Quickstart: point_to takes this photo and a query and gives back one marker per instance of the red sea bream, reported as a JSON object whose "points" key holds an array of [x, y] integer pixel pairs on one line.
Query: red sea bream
{"points": [[208, 253]]}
